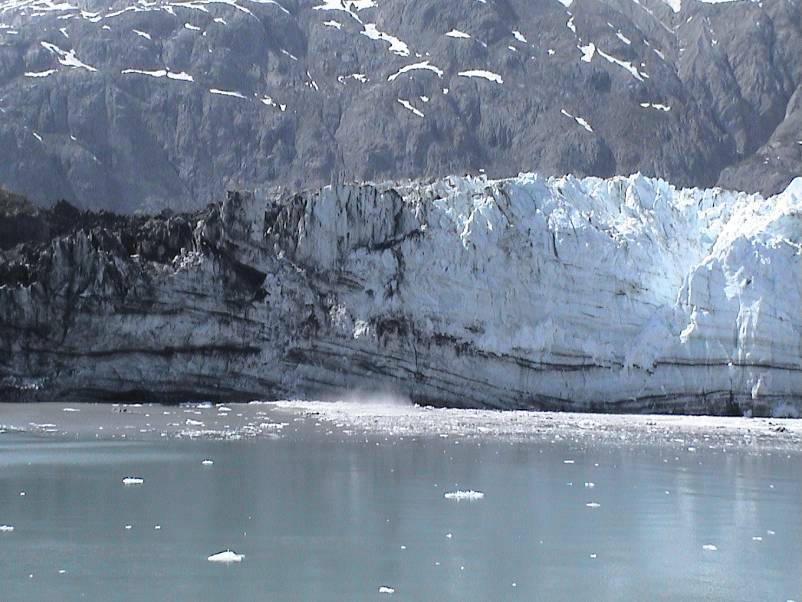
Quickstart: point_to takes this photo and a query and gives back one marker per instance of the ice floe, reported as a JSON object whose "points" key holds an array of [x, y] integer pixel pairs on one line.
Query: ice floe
{"points": [[709, 547], [383, 589], [6, 529], [133, 481], [226, 556], [469, 495]]}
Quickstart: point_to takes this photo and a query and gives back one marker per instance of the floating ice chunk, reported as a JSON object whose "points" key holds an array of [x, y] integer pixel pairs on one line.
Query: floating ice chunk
{"points": [[449, 535], [770, 532], [481, 73], [709, 547], [456, 33], [593, 505], [590, 484], [133, 481], [226, 556], [128, 527], [70, 410], [568, 461], [757, 538], [39, 138], [459, 496], [408, 105], [191, 422], [207, 462], [6, 529], [383, 589]]}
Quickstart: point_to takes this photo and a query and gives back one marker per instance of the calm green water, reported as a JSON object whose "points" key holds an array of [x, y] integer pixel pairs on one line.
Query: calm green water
{"points": [[323, 515]]}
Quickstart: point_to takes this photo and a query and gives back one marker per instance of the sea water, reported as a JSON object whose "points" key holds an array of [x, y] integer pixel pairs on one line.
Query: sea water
{"points": [[353, 505]]}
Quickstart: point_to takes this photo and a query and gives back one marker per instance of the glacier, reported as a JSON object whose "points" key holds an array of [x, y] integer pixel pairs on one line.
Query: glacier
{"points": [[617, 295]]}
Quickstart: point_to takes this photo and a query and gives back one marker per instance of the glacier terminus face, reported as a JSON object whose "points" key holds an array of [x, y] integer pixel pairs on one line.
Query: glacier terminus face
{"points": [[621, 294]]}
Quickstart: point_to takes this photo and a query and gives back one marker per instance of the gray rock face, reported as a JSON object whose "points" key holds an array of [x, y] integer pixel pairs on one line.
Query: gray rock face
{"points": [[610, 295], [158, 104]]}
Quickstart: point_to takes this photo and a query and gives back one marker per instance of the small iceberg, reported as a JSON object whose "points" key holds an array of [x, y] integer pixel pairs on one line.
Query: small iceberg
{"points": [[133, 481], [6, 529], [593, 505], [207, 462], [709, 547], [383, 589], [459, 496], [226, 556]]}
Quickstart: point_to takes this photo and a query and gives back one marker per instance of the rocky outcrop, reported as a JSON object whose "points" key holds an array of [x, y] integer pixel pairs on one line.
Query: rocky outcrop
{"points": [[136, 106], [586, 294]]}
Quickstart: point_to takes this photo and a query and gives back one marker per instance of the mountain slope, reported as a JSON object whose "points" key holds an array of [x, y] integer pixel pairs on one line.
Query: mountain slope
{"points": [[156, 103]]}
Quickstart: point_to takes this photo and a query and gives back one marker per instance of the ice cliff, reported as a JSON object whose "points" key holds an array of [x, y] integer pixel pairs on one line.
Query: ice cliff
{"points": [[622, 294]]}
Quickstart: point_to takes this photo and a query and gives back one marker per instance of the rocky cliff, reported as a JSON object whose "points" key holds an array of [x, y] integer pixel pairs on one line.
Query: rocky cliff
{"points": [[623, 294], [205, 95]]}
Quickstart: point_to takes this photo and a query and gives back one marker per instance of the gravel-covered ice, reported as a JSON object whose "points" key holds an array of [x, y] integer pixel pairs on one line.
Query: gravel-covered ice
{"points": [[405, 419]]}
